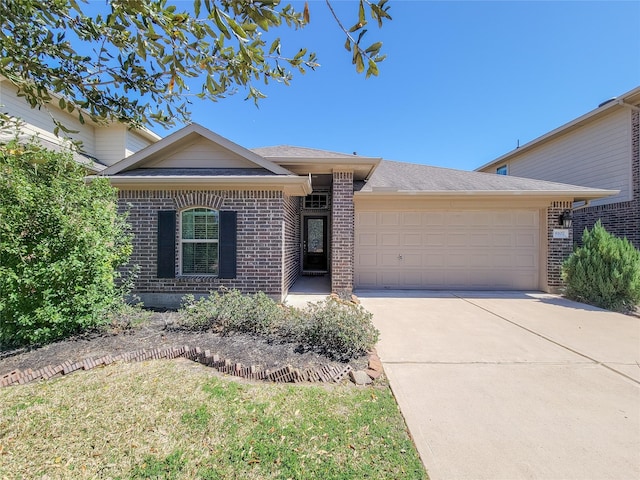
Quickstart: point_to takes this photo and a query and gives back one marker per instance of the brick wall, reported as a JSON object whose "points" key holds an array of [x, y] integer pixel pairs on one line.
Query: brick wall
{"points": [[342, 232], [557, 249], [291, 242], [260, 239], [622, 218]]}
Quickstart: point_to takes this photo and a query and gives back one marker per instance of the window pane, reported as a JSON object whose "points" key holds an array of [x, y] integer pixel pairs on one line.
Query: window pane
{"points": [[200, 258], [315, 235], [200, 224]]}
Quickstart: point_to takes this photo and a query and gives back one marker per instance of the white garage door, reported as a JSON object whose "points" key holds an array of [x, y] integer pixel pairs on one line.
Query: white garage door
{"points": [[448, 249]]}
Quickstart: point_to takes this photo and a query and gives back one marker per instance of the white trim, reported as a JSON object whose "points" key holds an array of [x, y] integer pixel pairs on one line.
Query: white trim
{"points": [[291, 184], [182, 240], [556, 194]]}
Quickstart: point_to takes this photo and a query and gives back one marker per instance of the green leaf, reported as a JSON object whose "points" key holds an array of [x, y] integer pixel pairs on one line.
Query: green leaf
{"points": [[347, 45], [373, 69], [275, 47], [359, 62], [197, 4], [375, 48], [361, 14]]}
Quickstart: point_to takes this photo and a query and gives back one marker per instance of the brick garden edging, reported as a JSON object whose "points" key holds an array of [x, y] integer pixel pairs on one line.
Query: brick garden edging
{"points": [[286, 374]]}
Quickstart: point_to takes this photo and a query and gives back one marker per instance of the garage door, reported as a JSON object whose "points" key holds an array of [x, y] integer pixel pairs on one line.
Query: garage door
{"points": [[448, 249]]}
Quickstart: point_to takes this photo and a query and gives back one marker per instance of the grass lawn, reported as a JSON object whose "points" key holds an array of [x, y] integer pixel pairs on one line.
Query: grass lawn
{"points": [[175, 419]]}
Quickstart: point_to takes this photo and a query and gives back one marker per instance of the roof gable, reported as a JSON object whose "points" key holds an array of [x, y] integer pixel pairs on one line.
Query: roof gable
{"points": [[195, 147]]}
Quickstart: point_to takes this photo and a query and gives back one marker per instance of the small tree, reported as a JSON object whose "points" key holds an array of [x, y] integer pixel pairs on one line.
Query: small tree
{"points": [[60, 243], [604, 272]]}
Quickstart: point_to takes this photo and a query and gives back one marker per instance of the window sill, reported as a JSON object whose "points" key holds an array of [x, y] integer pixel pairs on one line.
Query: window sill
{"points": [[196, 278]]}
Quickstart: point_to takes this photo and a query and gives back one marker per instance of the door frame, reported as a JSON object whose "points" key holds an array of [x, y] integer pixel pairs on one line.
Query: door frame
{"points": [[327, 219]]}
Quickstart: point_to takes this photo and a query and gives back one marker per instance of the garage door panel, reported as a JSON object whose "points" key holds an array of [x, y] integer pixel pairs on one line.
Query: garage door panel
{"points": [[480, 240], [448, 249], [454, 259], [390, 218], [432, 219], [390, 278], [435, 239], [367, 259], [502, 240], [481, 260], [434, 259], [367, 239], [367, 279], [412, 239], [410, 219], [412, 278], [390, 239], [522, 261], [457, 239], [367, 219]]}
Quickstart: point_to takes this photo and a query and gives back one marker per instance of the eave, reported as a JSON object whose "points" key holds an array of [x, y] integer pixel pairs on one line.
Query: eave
{"points": [[574, 196], [291, 185]]}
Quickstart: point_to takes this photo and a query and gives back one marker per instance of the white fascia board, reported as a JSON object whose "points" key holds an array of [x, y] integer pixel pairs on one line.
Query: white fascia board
{"points": [[294, 185], [576, 195]]}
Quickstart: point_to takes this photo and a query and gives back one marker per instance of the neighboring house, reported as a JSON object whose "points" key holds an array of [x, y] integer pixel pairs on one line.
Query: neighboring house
{"points": [[600, 149], [207, 212], [102, 145]]}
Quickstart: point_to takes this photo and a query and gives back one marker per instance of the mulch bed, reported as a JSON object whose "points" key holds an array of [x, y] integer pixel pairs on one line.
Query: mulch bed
{"points": [[159, 333]]}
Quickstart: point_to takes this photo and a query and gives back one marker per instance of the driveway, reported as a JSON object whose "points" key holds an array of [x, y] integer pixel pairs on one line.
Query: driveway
{"points": [[513, 385]]}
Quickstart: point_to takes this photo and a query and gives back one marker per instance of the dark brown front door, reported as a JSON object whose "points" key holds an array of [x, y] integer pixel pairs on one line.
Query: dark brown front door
{"points": [[314, 255]]}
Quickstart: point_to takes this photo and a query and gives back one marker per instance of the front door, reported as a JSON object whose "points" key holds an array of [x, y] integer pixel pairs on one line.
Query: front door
{"points": [[314, 249]]}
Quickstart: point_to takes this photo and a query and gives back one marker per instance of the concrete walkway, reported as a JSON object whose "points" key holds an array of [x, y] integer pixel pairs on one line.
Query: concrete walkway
{"points": [[513, 385]]}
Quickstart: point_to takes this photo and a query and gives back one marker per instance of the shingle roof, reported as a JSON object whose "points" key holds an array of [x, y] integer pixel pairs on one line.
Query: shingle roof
{"points": [[288, 151], [411, 177]]}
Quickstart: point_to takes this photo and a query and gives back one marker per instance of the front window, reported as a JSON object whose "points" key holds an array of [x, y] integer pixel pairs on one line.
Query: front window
{"points": [[502, 170], [199, 239]]}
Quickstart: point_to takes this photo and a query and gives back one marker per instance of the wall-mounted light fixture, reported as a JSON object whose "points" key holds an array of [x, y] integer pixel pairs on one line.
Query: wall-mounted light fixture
{"points": [[566, 219]]}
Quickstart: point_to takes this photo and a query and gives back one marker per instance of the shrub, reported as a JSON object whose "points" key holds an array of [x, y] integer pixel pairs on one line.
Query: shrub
{"points": [[231, 311], [339, 328], [604, 272], [61, 241]]}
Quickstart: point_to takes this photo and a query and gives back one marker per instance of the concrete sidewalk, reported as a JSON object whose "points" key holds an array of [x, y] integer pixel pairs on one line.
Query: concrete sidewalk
{"points": [[513, 385]]}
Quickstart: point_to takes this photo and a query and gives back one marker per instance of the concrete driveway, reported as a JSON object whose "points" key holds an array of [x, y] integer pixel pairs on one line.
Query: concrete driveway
{"points": [[513, 385]]}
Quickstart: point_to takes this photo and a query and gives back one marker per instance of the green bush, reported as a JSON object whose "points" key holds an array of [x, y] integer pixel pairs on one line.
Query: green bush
{"points": [[338, 328], [604, 271], [61, 241], [231, 311]]}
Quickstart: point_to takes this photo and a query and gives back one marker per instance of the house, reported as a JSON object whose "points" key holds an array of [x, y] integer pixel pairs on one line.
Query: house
{"points": [[600, 149], [207, 212], [102, 144]]}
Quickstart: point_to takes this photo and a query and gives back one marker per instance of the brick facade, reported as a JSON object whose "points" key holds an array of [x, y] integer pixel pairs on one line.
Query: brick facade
{"points": [[263, 242], [557, 249], [622, 218], [342, 232]]}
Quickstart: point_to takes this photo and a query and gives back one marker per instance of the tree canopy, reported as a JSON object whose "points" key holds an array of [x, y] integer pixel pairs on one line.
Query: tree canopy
{"points": [[60, 243], [137, 61]]}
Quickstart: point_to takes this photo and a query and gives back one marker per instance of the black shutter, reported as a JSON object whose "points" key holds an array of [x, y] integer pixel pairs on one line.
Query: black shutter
{"points": [[166, 244], [228, 244]]}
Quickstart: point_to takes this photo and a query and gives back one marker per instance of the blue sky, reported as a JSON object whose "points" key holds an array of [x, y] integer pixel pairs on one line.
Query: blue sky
{"points": [[462, 84]]}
